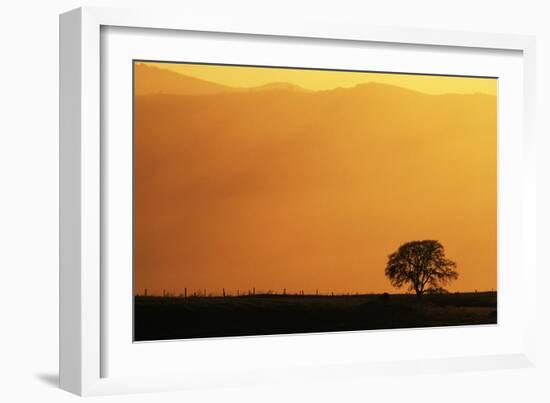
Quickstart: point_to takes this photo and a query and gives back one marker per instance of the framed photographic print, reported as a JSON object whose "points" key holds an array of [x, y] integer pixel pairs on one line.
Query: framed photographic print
{"points": [[237, 198], [266, 200]]}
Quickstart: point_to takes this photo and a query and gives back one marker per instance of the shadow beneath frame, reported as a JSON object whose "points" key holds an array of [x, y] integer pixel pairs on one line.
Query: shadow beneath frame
{"points": [[49, 379]]}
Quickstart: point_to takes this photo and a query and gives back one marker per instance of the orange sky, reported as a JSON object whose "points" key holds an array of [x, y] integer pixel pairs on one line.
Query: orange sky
{"points": [[278, 188]]}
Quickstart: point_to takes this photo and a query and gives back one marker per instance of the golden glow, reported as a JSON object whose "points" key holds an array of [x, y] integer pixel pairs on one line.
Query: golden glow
{"points": [[317, 80], [274, 189]]}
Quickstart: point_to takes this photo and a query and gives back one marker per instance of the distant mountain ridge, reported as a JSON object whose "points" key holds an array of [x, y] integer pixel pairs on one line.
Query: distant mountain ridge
{"points": [[155, 81]]}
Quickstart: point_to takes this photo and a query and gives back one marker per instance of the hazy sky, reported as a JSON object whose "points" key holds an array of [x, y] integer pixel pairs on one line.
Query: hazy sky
{"points": [[237, 76], [310, 190]]}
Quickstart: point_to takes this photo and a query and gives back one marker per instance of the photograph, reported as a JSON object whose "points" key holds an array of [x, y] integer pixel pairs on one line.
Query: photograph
{"points": [[273, 200]]}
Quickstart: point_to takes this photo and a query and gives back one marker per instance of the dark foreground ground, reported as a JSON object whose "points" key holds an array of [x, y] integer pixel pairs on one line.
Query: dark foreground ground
{"points": [[163, 318]]}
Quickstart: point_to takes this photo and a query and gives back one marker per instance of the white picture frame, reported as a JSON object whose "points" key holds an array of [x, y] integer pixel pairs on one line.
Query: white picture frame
{"points": [[85, 302]]}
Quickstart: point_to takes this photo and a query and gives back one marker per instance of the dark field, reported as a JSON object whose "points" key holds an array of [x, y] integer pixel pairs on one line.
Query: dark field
{"points": [[164, 318]]}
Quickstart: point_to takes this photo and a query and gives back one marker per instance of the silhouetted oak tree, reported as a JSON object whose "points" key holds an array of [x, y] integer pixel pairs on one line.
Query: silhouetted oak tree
{"points": [[419, 264]]}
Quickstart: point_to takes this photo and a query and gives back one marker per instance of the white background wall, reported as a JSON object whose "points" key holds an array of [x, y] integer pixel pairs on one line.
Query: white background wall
{"points": [[29, 201]]}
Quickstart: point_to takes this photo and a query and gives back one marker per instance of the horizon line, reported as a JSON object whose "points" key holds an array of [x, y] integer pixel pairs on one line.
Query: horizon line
{"points": [[300, 294]]}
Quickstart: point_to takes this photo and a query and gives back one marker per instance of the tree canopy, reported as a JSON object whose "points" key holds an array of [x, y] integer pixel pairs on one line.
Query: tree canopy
{"points": [[420, 265]]}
